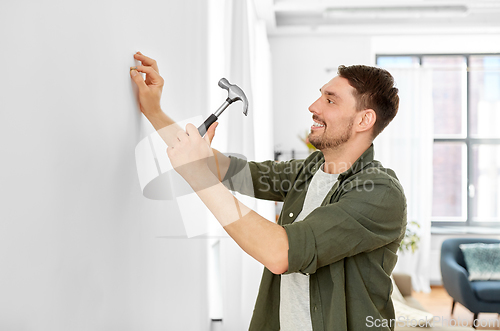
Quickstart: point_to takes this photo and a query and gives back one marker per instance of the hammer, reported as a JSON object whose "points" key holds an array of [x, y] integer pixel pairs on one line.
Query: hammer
{"points": [[234, 94]]}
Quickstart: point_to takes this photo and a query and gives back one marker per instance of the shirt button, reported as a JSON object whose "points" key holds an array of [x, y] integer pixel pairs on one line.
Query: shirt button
{"points": [[291, 214]]}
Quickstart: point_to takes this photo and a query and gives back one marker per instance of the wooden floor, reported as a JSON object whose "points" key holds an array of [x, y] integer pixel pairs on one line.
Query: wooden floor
{"points": [[438, 302]]}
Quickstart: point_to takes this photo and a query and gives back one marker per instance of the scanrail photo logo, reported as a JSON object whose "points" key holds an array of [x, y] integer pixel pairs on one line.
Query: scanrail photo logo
{"points": [[436, 321]]}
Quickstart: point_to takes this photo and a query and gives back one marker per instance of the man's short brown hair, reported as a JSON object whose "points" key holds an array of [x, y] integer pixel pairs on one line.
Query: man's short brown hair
{"points": [[374, 90]]}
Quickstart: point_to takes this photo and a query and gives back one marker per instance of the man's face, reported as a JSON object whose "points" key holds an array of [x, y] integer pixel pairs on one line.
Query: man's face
{"points": [[333, 115]]}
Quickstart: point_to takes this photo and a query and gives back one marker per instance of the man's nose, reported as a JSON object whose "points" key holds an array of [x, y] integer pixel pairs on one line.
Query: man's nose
{"points": [[313, 107]]}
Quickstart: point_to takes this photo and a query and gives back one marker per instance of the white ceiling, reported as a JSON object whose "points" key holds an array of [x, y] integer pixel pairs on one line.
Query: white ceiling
{"points": [[380, 17]]}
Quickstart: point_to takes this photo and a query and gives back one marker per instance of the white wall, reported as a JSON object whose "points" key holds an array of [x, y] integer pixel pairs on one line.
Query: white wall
{"points": [[299, 71], [80, 247]]}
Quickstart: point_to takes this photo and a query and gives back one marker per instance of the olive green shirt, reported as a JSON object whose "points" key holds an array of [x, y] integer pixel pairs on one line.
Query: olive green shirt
{"points": [[348, 245]]}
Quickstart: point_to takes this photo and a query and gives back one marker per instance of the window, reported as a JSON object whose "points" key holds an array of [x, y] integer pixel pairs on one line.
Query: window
{"points": [[466, 153]]}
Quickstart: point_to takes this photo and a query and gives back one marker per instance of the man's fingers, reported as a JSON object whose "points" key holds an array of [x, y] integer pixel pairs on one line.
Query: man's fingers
{"points": [[191, 130], [151, 74], [181, 135], [147, 61], [170, 151], [137, 78], [152, 77]]}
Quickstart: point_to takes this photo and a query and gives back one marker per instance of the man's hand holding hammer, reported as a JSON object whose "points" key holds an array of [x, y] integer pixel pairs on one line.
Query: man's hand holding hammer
{"points": [[203, 168]]}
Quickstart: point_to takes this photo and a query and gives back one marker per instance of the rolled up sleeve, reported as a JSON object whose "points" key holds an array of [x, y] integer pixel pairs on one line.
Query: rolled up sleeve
{"points": [[268, 180], [360, 221], [238, 177], [302, 252]]}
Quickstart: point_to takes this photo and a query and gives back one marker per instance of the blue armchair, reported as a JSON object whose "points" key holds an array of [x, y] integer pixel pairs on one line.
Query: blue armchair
{"points": [[477, 296]]}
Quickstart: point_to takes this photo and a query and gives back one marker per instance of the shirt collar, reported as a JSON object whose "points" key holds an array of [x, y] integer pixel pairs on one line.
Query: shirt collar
{"points": [[365, 158], [361, 162]]}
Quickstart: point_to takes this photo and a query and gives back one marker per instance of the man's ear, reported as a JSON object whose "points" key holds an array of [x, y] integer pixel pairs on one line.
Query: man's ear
{"points": [[366, 120]]}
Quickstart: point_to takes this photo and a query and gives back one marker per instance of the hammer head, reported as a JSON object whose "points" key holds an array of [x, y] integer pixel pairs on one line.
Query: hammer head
{"points": [[234, 94]]}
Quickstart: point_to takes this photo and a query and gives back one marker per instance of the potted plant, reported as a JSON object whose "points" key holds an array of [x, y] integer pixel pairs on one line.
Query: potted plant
{"points": [[411, 239], [305, 140]]}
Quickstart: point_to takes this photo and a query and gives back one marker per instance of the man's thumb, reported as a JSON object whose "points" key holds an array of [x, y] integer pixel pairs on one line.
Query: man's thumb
{"points": [[137, 77], [211, 132]]}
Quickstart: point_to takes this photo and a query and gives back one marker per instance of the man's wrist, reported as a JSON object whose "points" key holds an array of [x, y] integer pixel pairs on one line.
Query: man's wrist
{"points": [[202, 179], [158, 119], [153, 114]]}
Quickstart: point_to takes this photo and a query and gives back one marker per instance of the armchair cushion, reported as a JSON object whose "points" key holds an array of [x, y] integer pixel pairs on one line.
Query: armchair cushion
{"points": [[396, 293], [482, 260], [408, 312], [403, 283], [487, 291]]}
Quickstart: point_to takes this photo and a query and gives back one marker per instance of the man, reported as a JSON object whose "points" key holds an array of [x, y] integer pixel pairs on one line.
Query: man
{"points": [[328, 260]]}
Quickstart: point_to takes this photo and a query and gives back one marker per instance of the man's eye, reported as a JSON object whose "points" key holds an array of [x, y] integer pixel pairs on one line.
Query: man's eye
{"points": [[329, 101]]}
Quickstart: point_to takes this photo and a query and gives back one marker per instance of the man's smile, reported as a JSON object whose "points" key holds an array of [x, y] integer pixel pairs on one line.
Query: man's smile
{"points": [[317, 124]]}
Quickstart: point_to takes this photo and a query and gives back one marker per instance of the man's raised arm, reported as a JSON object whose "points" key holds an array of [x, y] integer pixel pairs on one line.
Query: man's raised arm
{"points": [[150, 91]]}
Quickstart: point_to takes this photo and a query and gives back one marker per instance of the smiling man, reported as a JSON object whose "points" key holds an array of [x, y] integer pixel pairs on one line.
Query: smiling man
{"points": [[328, 260]]}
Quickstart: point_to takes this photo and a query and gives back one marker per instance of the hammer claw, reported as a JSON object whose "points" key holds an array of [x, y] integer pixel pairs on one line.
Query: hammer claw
{"points": [[234, 94]]}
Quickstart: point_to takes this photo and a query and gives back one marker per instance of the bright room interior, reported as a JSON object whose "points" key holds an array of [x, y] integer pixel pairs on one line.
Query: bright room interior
{"points": [[86, 244], [445, 59]]}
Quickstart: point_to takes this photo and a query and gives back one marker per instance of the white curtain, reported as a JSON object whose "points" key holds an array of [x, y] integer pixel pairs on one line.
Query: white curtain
{"points": [[406, 146], [239, 50]]}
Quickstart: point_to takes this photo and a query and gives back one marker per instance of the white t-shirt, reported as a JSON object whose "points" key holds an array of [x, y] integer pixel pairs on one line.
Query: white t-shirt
{"points": [[295, 314]]}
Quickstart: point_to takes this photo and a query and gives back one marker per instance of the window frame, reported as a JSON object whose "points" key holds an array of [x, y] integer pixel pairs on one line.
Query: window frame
{"points": [[468, 140]]}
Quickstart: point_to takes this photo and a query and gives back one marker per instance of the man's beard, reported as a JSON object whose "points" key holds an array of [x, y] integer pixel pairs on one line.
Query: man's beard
{"points": [[323, 142]]}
